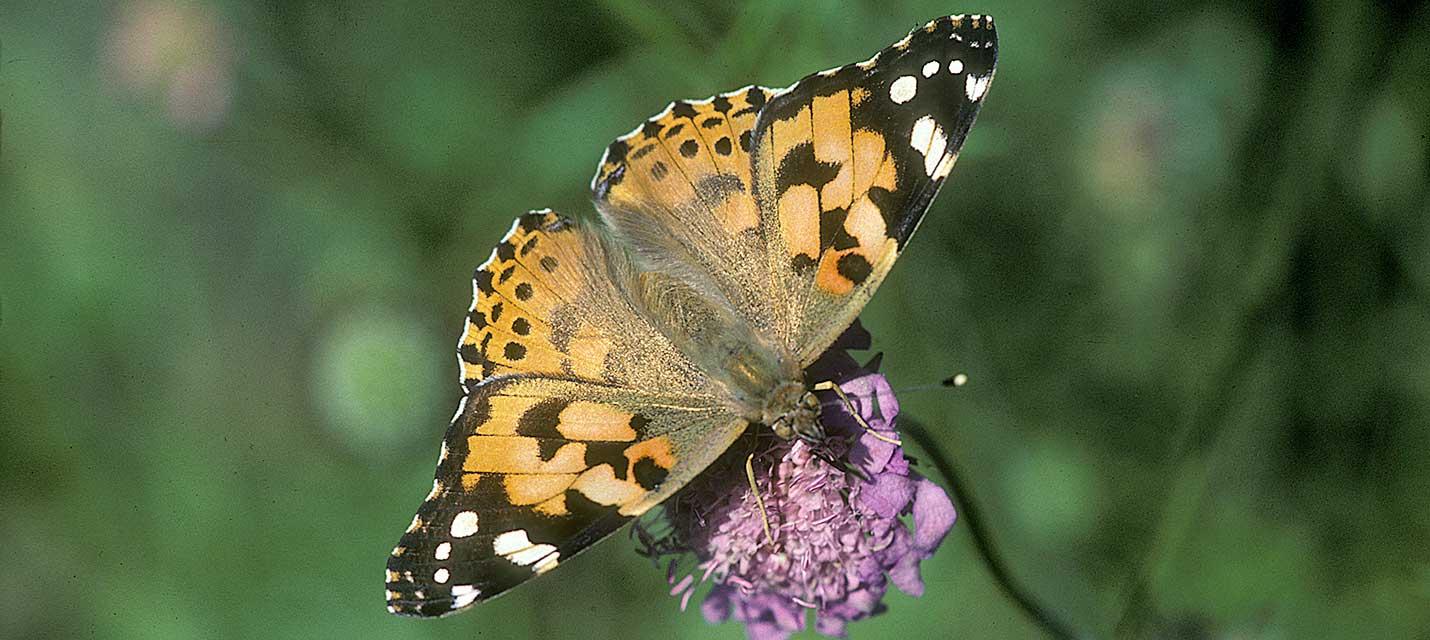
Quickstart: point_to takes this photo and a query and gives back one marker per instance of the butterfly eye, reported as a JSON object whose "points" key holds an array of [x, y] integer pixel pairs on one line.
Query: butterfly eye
{"points": [[809, 402]]}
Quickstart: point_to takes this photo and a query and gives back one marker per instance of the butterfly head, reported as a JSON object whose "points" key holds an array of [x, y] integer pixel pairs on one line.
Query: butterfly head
{"points": [[793, 411]]}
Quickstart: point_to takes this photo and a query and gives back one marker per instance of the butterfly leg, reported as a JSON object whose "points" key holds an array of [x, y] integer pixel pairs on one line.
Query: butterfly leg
{"points": [[828, 385], [759, 502]]}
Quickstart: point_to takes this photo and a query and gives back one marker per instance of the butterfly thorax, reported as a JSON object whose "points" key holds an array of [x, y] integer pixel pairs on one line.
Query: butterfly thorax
{"points": [[791, 410]]}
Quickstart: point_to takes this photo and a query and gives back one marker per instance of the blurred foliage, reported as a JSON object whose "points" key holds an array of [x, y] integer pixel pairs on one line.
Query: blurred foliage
{"points": [[1182, 261]]}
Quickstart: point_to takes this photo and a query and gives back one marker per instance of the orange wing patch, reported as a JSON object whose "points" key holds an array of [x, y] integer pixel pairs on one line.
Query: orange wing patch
{"points": [[524, 316], [692, 158]]}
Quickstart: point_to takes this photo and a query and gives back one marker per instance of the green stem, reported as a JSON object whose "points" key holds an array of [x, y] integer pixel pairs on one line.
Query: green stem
{"points": [[972, 519]]}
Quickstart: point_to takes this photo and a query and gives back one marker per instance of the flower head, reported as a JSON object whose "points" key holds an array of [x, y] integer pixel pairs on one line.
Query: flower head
{"points": [[824, 533]]}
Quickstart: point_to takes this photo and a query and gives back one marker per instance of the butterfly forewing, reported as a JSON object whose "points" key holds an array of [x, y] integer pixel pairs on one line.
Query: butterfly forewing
{"points": [[847, 161]]}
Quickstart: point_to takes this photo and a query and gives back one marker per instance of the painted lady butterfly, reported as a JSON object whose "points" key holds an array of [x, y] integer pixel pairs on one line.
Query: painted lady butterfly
{"points": [[607, 364]]}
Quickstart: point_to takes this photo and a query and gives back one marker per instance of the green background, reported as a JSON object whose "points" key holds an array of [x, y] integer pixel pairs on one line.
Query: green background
{"points": [[1182, 260]]}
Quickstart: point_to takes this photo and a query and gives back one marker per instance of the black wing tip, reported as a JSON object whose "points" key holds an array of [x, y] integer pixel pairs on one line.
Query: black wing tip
{"points": [[973, 35]]}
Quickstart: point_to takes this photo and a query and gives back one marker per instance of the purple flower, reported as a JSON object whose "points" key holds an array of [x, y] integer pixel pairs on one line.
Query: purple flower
{"points": [[835, 538]]}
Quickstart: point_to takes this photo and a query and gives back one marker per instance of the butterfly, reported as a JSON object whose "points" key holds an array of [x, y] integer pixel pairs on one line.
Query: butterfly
{"points": [[606, 364]]}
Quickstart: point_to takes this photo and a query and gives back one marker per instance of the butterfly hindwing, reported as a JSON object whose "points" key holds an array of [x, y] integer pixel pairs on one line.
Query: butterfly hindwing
{"points": [[554, 300], [847, 161], [535, 470], [679, 191]]}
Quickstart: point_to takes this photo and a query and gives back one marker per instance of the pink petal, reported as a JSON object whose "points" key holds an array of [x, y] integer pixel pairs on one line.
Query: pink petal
{"points": [[933, 515], [888, 495], [905, 575]]}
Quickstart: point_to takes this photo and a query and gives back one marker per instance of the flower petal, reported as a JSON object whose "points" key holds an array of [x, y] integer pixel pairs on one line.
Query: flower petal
{"points": [[905, 575], [887, 496], [933, 515], [871, 454]]}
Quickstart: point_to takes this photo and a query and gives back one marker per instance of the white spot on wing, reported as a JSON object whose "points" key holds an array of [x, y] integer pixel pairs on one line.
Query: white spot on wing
{"points": [[546, 564], [517, 547], [955, 66], [441, 575], [922, 133], [928, 138], [464, 594], [903, 89], [465, 524], [944, 167], [974, 86], [930, 68], [537, 552], [510, 542], [934, 155], [443, 551]]}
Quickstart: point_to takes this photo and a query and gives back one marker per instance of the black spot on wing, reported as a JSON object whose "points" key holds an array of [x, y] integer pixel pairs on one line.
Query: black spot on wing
{"points": [[717, 188], [854, 267], [469, 353], [649, 475], [531, 221], [612, 453], [639, 424], [541, 419], [514, 351], [682, 109], [483, 279], [802, 263], [756, 96], [799, 166]]}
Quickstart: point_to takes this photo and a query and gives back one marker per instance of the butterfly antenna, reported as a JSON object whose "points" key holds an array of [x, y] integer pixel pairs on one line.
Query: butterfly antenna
{"points": [[848, 404], [759, 502], [952, 382]]}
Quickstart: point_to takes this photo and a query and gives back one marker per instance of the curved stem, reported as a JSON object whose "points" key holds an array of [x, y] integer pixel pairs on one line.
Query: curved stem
{"points": [[973, 520]]}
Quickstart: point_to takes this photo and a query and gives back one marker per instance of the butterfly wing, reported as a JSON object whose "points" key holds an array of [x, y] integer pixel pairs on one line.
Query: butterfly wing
{"points": [[792, 205], [678, 189], [579, 415], [847, 161]]}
